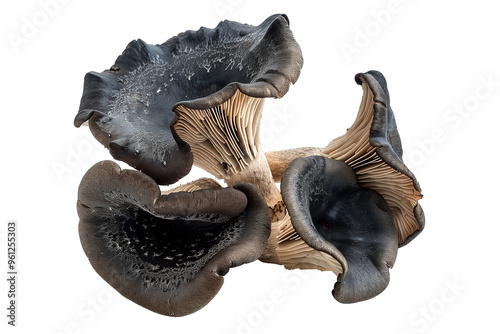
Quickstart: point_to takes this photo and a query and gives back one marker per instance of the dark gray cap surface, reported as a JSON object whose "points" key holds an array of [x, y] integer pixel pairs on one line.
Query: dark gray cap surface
{"points": [[130, 106], [333, 214]]}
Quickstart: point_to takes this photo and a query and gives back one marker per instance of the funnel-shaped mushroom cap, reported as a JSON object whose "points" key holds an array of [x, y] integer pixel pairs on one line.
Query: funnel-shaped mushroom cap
{"points": [[372, 147], [130, 106], [334, 215], [222, 129], [167, 253]]}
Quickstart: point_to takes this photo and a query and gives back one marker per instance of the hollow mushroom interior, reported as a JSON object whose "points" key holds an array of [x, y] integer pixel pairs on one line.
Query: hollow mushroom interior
{"points": [[166, 253], [160, 250]]}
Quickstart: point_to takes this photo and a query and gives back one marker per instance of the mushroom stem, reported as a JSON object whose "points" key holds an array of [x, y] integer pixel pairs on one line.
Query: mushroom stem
{"points": [[258, 173], [225, 142], [202, 183], [279, 160], [284, 246]]}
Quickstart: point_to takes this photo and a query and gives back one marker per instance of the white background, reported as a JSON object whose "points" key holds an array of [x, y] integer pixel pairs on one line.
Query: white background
{"points": [[438, 60]]}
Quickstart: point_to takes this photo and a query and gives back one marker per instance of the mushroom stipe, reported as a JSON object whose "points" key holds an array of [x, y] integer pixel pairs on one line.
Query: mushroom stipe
{"points": [[198, 99]]}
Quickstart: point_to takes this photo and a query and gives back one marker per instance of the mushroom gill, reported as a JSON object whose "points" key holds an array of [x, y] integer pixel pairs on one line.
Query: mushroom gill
{"points": [[372, 148], [356, 148], [295, 253], [224, 139]]}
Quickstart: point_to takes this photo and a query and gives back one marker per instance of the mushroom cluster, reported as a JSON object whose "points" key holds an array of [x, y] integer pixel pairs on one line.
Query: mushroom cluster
{"points": [[197, 99]]}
